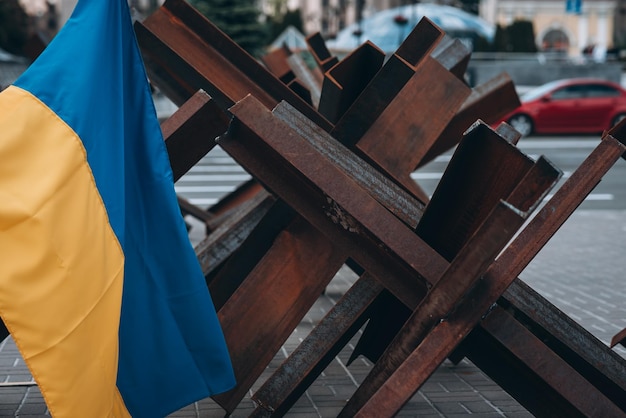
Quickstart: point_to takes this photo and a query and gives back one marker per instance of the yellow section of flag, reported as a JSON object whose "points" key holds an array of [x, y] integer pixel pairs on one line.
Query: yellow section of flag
{"points": [[61, 266]]}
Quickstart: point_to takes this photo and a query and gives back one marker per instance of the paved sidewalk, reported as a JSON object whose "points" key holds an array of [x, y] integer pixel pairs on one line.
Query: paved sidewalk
{"points": [[581, 271]]}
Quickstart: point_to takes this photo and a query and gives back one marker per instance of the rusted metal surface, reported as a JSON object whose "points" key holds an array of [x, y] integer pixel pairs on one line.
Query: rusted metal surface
{"points": [[330, 200], [301, 90], [256, 325], [189, 209], [466, 268], [256, 241], [185, 52], [435, 348], [454, 56], [225, 239], [483, 169], [406, 207], [242, 144], [311, 77], [462, 177], [520, 190], [619, 338], [388, 82], [603, 368], [234, 199], [346, 80], [406, 128], [563, 380], [190, 131], [256, 113], [245, 143], [420, 42], [276, 62], [488, 102], [336, 196], [317, 350], [320, 52]]}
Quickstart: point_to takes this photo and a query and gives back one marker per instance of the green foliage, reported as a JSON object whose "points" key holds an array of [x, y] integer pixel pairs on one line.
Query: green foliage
{"points": [[470, 6], [501, 39], [522, 36], [239, 19], [519, 36], [482, 44], [281, 22], [13, 26]]}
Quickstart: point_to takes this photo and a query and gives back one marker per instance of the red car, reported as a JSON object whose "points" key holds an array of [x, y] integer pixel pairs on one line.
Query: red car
{"points": [[576, 105]]}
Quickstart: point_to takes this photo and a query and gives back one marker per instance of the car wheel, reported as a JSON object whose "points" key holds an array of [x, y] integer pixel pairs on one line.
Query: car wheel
{"points": [[617, 119], [522, 124]]}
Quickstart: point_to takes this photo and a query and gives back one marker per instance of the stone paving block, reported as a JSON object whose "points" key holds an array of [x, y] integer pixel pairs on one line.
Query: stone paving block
{"points": [[478, 406], [447, 406]]}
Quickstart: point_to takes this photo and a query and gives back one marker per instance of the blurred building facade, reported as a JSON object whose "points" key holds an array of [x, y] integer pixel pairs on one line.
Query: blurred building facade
{"points": [[586, 26], [598, 25], [64, 8]]}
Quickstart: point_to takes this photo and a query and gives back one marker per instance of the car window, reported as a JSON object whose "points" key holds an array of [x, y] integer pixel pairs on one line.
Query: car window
{"points": [[569, 92], [601, 90], [537, 92]]}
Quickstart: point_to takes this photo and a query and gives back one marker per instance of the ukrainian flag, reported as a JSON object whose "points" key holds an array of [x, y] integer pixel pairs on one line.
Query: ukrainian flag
{"points": [[99, 284]]}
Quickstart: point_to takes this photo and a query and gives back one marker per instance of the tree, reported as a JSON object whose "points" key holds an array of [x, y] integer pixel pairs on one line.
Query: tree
{"points": [[470, 6], [13, 27], [278, 23], [522, 36], [239, 19]]}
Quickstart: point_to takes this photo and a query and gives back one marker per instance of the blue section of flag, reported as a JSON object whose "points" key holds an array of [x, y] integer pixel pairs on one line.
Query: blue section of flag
{"points": [[172, 350]]}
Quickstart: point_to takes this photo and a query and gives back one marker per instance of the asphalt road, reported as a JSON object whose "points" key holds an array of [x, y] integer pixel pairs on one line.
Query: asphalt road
{"points": [[567, 153], [217, 174]]}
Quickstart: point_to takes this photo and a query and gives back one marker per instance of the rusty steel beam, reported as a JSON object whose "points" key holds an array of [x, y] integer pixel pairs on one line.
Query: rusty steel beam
{"points": [[253, 112], [483, 169], [276, 63], [388, 82], [217, 246], [313, 355], [564, 381], [420, 42], [240, 141], [468, 266], [261, 314], [189, 132], [603, 368], [489, 102], [406, 128], [524, 188], [185, 52], [454, 56], [406, 207], [311, 77], [322, 56], [350, 216], [256, 242], [346, 80], [434, 349], [619, 338], [232, 200]]}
